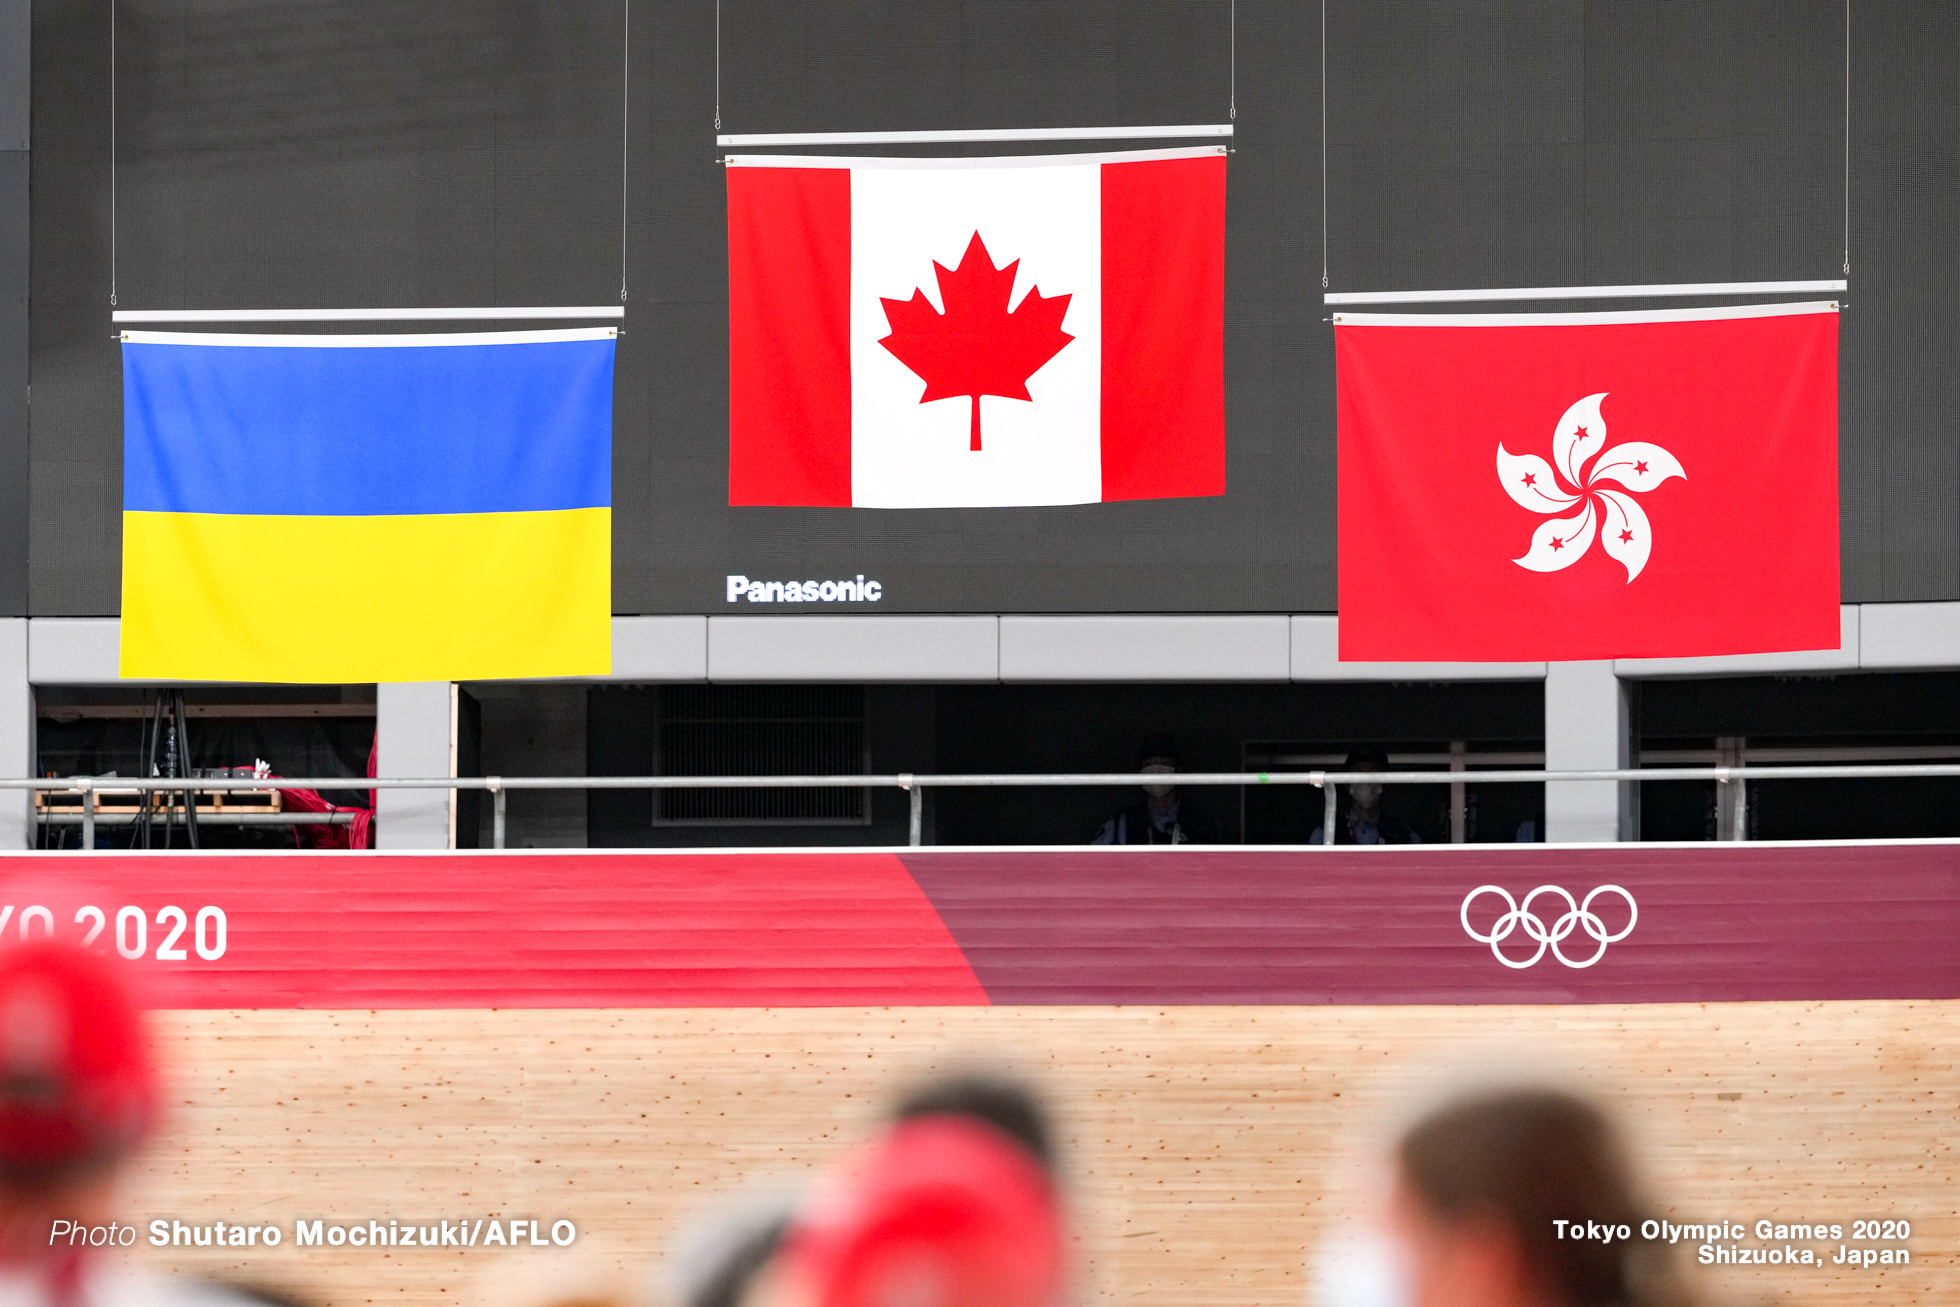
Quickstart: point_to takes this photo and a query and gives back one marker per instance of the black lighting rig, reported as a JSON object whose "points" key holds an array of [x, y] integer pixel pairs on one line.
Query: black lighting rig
{"points": [[166, 733]]}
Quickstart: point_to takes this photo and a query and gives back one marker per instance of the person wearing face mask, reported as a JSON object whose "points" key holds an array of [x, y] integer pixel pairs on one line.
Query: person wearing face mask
{"points": [[1360, 818], [1161, 816], [1479, 1186]]}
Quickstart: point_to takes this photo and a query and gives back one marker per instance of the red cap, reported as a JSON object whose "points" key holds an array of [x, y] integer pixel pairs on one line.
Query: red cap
{"points": [[76, 1081], [943, 1211]]}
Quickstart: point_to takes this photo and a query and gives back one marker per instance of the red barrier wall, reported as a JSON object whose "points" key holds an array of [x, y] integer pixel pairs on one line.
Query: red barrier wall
{"points": [[1708, 923]]}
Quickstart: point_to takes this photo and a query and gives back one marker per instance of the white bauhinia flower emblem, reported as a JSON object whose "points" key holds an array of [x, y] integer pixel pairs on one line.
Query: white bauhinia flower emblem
{"points": [[1611, 515]]}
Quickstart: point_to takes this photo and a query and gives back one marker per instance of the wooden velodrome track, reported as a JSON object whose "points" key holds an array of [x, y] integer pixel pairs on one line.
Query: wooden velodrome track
{"points": [[1208, 1148]]}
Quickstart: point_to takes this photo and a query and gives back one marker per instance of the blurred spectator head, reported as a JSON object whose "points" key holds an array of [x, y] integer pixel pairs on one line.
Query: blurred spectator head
{"points": [[1480, 1182], [77, 1087], [1157, 753], [943, 1211], [1007, 1105], [1157, 747], [1366, 758]]}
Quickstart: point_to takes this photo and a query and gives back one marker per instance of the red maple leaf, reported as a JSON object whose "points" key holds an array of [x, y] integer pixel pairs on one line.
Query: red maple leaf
{"points": [[976, 347]]}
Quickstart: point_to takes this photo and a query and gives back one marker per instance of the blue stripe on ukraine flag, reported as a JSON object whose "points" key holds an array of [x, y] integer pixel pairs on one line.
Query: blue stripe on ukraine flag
{"points": [[367, 508]]}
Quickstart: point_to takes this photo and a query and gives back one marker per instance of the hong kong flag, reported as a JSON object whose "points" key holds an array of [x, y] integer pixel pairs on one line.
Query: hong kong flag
{"points": [[938, 333], [1526, 487]]}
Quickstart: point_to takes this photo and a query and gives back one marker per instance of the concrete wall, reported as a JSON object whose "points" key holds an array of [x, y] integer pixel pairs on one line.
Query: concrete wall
{"points": [[413, 729], [1589, 726], [16, 732]]}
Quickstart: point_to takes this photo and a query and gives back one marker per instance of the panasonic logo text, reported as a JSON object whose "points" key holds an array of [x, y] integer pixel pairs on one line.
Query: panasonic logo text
{"points": [[859, 591]]}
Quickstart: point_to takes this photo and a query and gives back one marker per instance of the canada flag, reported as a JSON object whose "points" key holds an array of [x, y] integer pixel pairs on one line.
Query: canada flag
{"points": [[944, 333]]}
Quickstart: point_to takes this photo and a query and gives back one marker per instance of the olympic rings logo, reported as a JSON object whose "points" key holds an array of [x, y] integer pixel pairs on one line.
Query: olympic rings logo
{"points": [[1577, 916]]}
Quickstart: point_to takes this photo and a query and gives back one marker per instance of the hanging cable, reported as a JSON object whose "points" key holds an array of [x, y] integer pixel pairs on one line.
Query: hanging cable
{"points": [[183, 750], [1847, 138], [172, 757], [1323, 143], [1233, 109], [151, 797], [112, 153], [717, 65], [625, 101]]}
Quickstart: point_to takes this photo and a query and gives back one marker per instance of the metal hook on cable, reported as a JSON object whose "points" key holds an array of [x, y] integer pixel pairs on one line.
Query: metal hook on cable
{"points": [[1232, 109]]}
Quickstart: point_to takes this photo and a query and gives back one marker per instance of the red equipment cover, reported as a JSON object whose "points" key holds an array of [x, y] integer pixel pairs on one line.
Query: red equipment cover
{"points": [[1532, 487]]}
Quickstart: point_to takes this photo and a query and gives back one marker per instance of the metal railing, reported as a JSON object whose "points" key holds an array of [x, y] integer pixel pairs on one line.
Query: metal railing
{"points": [[1731, 782]]}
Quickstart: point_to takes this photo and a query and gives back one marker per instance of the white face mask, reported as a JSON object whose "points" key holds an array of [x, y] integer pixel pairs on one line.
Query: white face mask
{"points": [[1362, 1268], [1366, 793], [1158, 791]]}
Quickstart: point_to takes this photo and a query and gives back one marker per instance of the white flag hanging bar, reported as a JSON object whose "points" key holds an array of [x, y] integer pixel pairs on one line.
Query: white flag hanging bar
{"points": [[978, 134], [1660, 291], [528, 313]]}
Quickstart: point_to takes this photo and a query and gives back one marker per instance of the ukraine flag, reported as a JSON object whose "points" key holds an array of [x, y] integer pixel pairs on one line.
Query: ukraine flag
{"points": [[367, 508]]}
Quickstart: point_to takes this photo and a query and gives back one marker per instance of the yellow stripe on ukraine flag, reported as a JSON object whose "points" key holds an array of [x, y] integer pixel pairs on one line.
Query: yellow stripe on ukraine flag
{"points": [[380, 508], [430, 597]]}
